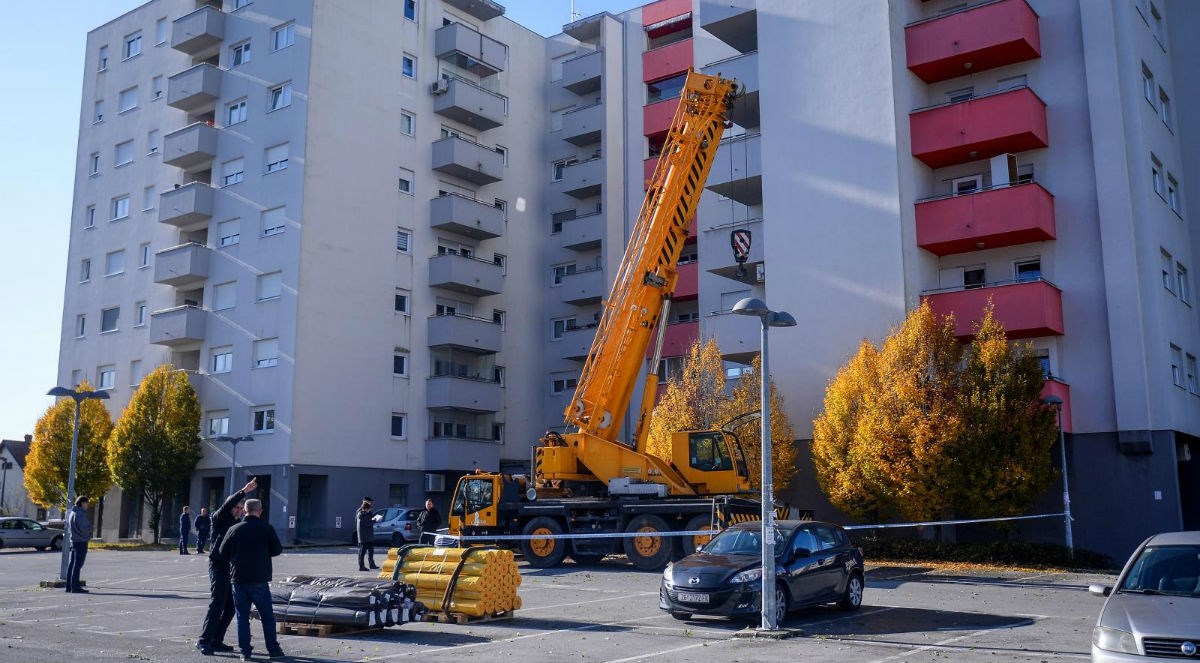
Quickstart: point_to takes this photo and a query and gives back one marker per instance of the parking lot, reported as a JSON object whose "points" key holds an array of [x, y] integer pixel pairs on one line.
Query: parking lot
{"points": [[147, 606]]}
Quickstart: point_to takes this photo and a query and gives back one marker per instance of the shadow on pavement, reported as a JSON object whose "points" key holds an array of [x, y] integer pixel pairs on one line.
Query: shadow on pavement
{"points": [[891, 620], [399, 635]]}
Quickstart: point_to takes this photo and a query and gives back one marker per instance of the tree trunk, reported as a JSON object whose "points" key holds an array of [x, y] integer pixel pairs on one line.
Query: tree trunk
{"points": [[155, 504]]}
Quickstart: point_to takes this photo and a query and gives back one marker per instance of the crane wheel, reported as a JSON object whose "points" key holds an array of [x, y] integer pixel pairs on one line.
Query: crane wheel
{"points": [[649, 553], [543, 553], [688, 544]]}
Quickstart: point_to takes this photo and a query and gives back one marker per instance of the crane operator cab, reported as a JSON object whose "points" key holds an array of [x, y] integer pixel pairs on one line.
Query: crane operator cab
{"points": [[711, 461]]}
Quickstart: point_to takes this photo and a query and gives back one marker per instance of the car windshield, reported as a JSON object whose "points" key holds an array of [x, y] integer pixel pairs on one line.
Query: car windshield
{"points": [[1165, 570], [387, 515], [742, 542]]}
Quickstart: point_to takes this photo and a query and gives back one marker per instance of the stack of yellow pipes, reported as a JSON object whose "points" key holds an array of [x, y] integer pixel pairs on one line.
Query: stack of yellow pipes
{"points": [[485, 583]]}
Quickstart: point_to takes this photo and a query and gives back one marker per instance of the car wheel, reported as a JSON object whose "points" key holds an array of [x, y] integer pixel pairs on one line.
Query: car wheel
{"points": [[648, 553], [397, 539], [1, 543], [56, 543], [781, 603], [681, 616], [852, 598], [543, 553]]}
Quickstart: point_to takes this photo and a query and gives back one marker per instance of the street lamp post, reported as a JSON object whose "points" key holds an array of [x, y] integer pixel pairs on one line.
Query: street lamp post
{"points": [[79, 397], [768, 319], [233, 460], [1057, 404]]}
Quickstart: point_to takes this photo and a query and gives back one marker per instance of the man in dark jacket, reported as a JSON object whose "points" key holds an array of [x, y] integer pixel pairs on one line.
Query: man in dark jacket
{"points": [[249, 547], [429, 521], [220, 604], [185, 528], [79, 528], [364, 520], [203, 529]]}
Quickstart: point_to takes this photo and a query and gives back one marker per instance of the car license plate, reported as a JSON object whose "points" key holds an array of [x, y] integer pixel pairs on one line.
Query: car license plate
{"points": [[688, 597]]}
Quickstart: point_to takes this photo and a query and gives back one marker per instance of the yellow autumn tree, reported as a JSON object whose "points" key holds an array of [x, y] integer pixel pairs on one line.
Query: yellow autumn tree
{"points": [[695, 400], [49, 461], [747, 397]]}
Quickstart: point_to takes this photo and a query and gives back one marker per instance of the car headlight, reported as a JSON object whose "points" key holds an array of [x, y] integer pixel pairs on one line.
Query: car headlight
{"points": [[1114, 639], [667, 575], [753, 575]]}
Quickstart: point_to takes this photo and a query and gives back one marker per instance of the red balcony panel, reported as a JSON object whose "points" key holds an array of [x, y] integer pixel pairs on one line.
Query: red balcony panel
{"points": [[687, 287], [1054, 387], [678, 339], [980, 38], [664, 61], [1026, 310], [980, 128], [648, 167], [662, 10], [987, 220], [692, 227], [656, 117]]}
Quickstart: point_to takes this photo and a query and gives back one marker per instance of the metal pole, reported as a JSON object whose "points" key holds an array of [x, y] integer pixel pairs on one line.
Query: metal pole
{"points": [[233, 467], [4, 465], [62, 567], [768, 510], [1062, 447]]}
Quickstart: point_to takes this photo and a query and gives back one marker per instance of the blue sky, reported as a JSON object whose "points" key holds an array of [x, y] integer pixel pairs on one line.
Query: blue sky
{"points": [[42, 44]]}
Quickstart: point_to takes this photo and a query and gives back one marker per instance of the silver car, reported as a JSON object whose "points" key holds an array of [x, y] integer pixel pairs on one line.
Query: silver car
{"points": [[1153, 614], [28, 533], [397, 525]]}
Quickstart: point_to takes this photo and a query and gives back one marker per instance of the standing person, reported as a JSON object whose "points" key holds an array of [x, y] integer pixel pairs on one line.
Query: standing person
{"points": [[249, 547], [220, 604], [365, 524], [203, 527], [185, 528], [429, 521], [79, 527]]}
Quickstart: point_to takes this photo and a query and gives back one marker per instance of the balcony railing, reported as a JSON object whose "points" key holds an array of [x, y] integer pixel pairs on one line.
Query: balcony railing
{"points": [[736, 335], [192, 146], [657, 116], [199, 32], [990, 218], [464, 332], [448, 454], [1055, 387], [582, 126], [181, 325], [581, 74], [196, 89], [583, 233], [466, 394], [1006, 121], [583, 287], [471, 276], [182, 266], [1026, 309], [664, 61], [582, 179], [737, 169], [187, 207], [471, 161], [469, 49], [465, 216], [464, 101], [972, 39], [576, 342]]}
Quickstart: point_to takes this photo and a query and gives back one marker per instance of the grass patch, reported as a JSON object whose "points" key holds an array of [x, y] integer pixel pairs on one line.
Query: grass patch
{"points": [[100, 545], [1002, 554]]}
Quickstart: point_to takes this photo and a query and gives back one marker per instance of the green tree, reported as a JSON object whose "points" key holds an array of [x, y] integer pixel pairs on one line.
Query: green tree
{"points": [[49, 461], [156, 443], [747, 397]]}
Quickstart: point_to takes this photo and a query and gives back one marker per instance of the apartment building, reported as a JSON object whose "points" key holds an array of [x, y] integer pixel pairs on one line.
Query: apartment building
{"points": [[325, 187]]}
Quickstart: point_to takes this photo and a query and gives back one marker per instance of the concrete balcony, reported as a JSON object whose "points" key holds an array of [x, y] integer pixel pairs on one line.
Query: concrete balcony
{"points": [[484, 10], [466, 48], [716, 254], [1056, 387], [687, 285], [448, 392], [980, 128], [469, 104], [582, 179], [1026, 309], [666, 61], [195, 90], [467, 217], [189, 147], [972, 39], [576, 343], [738, 336], [188, 207], [583, 126], [678, 339], [734, 22], [199, 33], [583, 287], [742, 181], [182, 325], [581, 74], [991, 219], [448, 454], [182, 266], [657, 117], [468, 160], [464, 332], [466, 275], [744, 69], [583, 233]]}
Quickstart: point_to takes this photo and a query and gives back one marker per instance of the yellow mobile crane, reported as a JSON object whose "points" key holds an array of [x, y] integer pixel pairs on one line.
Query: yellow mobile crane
{"points": [[588, 481]]}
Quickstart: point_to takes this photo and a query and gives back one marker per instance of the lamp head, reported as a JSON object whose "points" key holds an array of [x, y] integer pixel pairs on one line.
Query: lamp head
{"points": [[99, 395], [782, 319], [751, 306], [60, 391]]}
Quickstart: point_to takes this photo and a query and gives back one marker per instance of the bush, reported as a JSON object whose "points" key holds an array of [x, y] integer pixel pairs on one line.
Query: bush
{"points": [[997, 553]]}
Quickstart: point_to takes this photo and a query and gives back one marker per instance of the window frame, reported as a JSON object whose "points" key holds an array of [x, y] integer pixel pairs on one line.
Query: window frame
{"points": [[228, 286], [106, 377], [128, 94], [287, 31], [403, 358], [239, 106], [408, 66], [144, 254], [271, 231], [115, 321], [411, 119], [221, 416], [403, 245], [411, 16], [1177, 366], [402, 302], [162, 31], [140, 317], [268, 418], [131, 46], [114, 259], [220, 360], [230, 177], [279, 163], [234, 238], [279, 97], [85, 270], [124, 149], [265, 361], [80, 325], [402, 418], [268, 277], [240, 54]]}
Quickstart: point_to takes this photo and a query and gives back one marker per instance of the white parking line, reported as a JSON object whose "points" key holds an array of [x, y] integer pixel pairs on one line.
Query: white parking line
{"points": [[641, 657], [566, 605], [917, 650]]}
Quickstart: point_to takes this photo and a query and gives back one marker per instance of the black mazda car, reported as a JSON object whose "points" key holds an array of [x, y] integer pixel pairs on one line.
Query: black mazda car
{"points": [[815, 563]]}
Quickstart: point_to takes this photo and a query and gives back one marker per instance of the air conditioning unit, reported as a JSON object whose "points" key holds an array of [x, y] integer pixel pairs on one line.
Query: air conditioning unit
{"points": [[760, 272], [435, 483], [440, 86]]}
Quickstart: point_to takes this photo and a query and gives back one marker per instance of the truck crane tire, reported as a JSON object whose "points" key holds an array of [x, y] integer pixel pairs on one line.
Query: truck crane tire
{"points": [[543, 553], [688, 544], [648, 553]]}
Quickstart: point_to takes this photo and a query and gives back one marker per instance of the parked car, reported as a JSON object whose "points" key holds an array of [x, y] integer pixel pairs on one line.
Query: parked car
{"points": [[397, 525], [815, 563], [28, 533], [1151, 614]]}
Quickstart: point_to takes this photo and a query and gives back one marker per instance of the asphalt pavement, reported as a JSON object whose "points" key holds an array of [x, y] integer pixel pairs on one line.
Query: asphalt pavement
{"points": [[147, 606]]}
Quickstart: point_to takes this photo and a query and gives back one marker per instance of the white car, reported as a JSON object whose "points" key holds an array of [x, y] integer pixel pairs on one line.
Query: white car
{"points": [[28, 533]]}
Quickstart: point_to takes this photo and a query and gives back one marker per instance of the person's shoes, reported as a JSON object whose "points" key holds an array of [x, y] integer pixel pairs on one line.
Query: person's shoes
{"points": [[275, 653], [373, 567], [82, 591], [363, 568], [247, 657], [221, 647], [70, 591], [204, 648]]}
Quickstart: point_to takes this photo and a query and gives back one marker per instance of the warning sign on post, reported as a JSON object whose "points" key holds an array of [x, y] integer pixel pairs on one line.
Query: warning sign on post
{"points": [[291, 522], [337, 522]]}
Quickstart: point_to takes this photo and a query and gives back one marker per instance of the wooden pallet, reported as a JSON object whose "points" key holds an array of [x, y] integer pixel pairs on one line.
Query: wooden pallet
{"points": [[316, 630], [460, 619]]}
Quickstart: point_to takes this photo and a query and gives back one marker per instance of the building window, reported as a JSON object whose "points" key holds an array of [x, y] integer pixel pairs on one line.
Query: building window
{"points": [[123, 154], [410, 9], [560, 272], [273, 221], [400, 364], [561, 326], [264, 419], [114, 263], [443, 428], [968, 184], [222, 360], [667, 88], [229, 232], [401, 305], [408, 66], [498, 317], [270, 286], [280, 97], [502, 261], [498, 433], [109, 318], [224, 296], [127, 100], [1173, 194], [218, 424], [498, 375], [559, 168], [235, 113], [1012, 83], [239, 54], [85, 270], [1028, 270], [974, 277], [398, 425], [402, 240], [108, 377], [238, 4], [139, 314], [408, 123], [80, 328], [1167, 267], [266, 353], [560, 385], [144, 255], [94, 163], [1157, 25], [1147, 84], [133, 45], [135, 372], [964, 94], [407, 177], [89, 217], [152, 141], [283, 36], [233, 171], [1164, 107], [147, 199], [503, 152], [276, 158], [1156, 178], [162, 31], [1181, 279], [98, 112], [1192, 384], [1177, 365], [156, 87], [102, 64]]}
